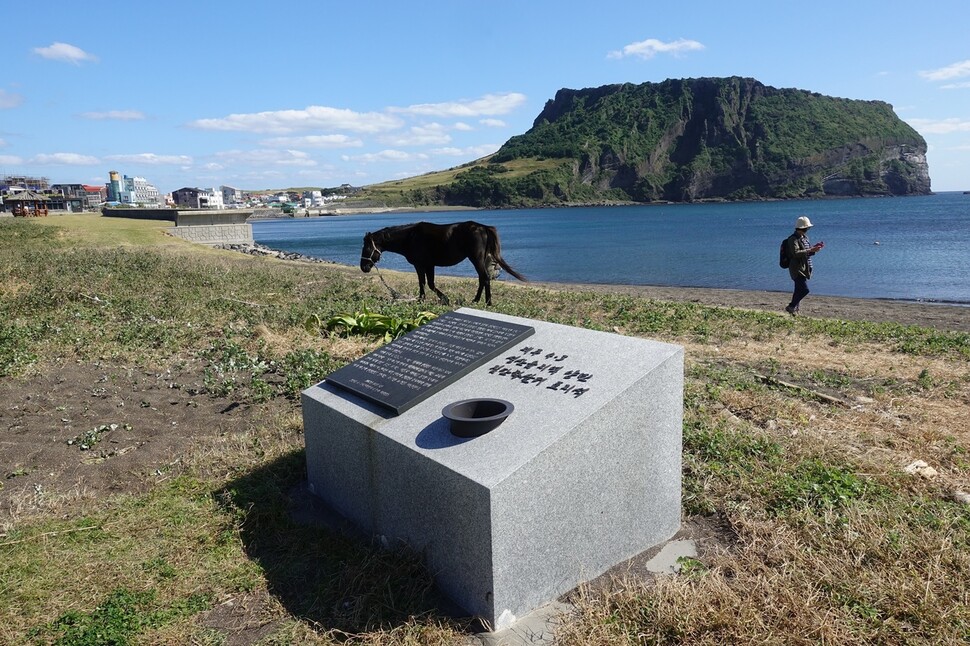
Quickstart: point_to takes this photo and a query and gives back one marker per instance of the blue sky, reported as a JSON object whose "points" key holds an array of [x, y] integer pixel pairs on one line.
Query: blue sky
{"points": [[266, 95]]}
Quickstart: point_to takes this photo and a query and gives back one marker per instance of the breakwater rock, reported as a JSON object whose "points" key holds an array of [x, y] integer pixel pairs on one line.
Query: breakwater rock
{"points": [[260, 250]]}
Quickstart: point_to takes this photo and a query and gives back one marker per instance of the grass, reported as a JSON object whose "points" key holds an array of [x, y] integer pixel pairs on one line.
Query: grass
{"points": [[824, 538]]}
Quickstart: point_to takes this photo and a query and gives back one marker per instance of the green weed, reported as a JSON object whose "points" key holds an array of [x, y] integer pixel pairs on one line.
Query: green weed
{"points": [[924, 380], [87, 440], [120, 617], [817, 486], [14, 348], [301, 369], [691, 567], [368, 323], [723, 450], [234, 371], [830, 379]]}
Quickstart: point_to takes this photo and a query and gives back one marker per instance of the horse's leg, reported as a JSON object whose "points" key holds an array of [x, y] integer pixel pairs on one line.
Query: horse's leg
{"points": [[484, 282], [441, 294], [420, 283]]}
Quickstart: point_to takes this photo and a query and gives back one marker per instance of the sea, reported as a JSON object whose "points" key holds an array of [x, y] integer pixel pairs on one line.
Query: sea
{"points": [[897, 248]]}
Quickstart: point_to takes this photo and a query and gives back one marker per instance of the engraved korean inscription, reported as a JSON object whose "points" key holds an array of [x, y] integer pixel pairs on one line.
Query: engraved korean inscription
{"points": [[412, 368], [547, 369]]}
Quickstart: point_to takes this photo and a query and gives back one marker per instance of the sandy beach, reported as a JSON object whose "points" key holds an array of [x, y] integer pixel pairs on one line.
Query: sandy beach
{"points": [[932, 315]]}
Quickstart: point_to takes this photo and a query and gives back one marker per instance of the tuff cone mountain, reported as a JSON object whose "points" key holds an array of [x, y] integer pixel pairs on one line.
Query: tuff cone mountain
{"points": [[695, 139]]}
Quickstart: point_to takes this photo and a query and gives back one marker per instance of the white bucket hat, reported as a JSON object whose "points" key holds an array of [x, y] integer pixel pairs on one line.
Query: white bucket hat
{"points": [[803, 223]]}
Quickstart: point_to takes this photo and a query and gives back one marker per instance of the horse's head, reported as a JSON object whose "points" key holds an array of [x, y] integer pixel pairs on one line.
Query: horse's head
{"points": [[370, 254]]}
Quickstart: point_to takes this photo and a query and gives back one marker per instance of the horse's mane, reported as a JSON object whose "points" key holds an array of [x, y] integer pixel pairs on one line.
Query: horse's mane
{"points": [[390, 233]]}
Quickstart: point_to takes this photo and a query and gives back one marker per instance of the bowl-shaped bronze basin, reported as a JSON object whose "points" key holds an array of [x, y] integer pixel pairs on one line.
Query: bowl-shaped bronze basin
{"points": [[474, 417]]}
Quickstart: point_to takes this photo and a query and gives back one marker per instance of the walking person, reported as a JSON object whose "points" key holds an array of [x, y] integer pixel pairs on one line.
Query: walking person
{"points": [[800, 252]]}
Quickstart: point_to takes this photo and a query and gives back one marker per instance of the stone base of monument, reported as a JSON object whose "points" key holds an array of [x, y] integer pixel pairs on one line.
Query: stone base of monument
{"points": [[584, 473]]}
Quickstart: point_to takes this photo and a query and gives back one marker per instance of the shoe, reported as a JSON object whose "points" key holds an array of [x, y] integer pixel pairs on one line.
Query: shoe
{"points": [[791, 310]]}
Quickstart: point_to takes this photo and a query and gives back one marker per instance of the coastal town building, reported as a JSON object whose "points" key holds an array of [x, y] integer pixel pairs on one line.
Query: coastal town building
{"points": [[212, 199], [133, 191], [80, 197], [14, 183], [232, 195], [126, 191], [25, 203], [312, 198], [186, 197], [198, 198]]}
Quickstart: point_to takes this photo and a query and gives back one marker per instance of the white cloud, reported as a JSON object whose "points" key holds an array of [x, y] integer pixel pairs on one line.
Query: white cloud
{"points": [[323, 168], [492, 123], [264, 157], [2, 143], [940, 126], [297, 161], [469, 151], [10, 160], [464, 127], [954, 71], [386, 156], [10, 99], [428, 135], [67, 159], [150, 158], [314, 117], [313, 141], [65, 53], [116, 115], [956, 86], [490, 104], [647, 49]]}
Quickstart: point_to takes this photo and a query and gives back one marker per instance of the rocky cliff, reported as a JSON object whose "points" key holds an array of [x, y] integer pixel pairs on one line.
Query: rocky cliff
{"points": [[715, 138]]}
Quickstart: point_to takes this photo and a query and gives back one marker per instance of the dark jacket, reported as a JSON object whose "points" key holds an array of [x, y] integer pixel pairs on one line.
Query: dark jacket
{"points": [[799, 267]]}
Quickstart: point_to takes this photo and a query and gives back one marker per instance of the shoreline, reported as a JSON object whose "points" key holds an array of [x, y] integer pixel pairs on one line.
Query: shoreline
{"points": [[940, 316]]}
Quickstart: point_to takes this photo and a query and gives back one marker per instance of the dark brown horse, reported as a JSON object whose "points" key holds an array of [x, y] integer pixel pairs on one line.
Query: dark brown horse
{"points": [[427, 246]]}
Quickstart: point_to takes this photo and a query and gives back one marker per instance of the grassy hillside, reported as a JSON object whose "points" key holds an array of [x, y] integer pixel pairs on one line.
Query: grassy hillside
{"points": [[797, 433], [431, 188]]}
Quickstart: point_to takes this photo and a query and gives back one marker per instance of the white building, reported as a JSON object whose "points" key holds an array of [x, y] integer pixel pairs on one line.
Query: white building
{"points": [[312, 198], [210, 198], [231, 195]]}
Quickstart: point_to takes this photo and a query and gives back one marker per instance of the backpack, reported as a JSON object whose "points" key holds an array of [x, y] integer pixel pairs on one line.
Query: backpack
{"points": [[784, 261]]}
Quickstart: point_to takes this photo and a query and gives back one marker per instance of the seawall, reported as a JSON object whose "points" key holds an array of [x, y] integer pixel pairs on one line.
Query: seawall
{"points": [[211, 227]]}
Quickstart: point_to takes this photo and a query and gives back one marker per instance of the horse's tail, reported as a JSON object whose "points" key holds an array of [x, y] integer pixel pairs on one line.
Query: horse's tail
{"points": [[493, 248]]}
